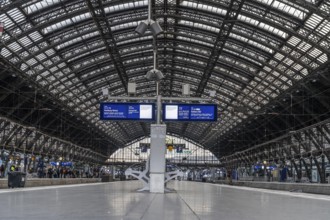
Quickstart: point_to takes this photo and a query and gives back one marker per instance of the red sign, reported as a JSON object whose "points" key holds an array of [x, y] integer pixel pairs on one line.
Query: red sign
{"points": [[1, 28]]}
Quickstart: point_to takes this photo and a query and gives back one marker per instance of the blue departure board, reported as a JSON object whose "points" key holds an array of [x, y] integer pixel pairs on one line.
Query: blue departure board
{"points": [[189, 112], [127, 111]]}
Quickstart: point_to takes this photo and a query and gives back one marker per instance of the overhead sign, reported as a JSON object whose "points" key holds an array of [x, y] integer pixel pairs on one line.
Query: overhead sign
{"points": [[189, 112], [127, 111], [187, 151], [144, 147], [179, 147], [63, 164]]}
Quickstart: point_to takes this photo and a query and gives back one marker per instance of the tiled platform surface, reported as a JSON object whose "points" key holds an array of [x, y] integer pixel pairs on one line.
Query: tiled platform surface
{"points": [[190, 201], [48, 182], [286, 186]]}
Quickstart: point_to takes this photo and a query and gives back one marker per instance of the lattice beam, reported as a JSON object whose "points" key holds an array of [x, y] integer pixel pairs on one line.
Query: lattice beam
{"points": [[97, 11], [228, 23]]}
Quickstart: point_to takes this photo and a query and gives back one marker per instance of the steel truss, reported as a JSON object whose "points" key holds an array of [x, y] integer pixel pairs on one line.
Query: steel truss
{"points": [[99, 16], [301, 149], [15, 137], [227, 25], [251, 53]]}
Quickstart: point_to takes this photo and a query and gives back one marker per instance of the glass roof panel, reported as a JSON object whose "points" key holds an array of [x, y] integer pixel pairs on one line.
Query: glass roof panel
{"points": [[324, 28], [25, 41], [194, 41], [16, 15], [194, 49], [189, 70], [66, 23], [263, 26], [124, 26], [273, 30], [288, 61], [289, 9], [35, 36], [15, 46], [8, 23], [125, 6], [323, 58], [248, 20], [287, 6], [304, 46], [242, 56], [313, 21], [279, 56], [304, 71], [40, 4], [204, 7], [5, 52], [251, 42], [199, 25], [84, 54], [138, 39], [41, 57], [314, 52], [190, 59]]}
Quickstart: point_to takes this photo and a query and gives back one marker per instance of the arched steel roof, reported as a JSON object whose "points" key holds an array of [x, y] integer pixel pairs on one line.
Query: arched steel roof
{"points": [[253, 53]]}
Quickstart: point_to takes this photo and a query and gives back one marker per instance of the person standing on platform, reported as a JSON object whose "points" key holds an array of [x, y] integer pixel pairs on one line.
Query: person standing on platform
{"points": [[229, 175], [284, 174], [2, 170], [12, 168]]}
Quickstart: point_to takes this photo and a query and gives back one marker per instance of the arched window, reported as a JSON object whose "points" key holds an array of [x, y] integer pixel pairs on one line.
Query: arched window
{"points": [[178, 151]]}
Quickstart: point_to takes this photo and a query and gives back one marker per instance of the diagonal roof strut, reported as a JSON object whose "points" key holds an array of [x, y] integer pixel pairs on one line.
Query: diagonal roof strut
{"points": [[233, 11], [98, 14]]}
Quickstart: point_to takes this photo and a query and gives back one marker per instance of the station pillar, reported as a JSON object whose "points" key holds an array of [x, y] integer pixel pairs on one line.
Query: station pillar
{"points": [[157, 158]]}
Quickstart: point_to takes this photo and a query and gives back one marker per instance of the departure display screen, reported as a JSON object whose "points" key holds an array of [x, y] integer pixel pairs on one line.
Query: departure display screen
{"points": [[189, 112], [127, 111]]}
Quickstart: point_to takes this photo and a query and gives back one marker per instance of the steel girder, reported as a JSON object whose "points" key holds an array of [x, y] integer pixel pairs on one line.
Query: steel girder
{"points": [[78, 7], [99, 16], [36, 106], [284, 96], [16, 137], [103, 62], [232, 13], [310, 145]]}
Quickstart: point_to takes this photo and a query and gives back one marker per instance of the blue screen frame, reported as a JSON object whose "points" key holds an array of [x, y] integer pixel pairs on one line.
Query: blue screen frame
{"points": [[188, 116], [123, 108]]}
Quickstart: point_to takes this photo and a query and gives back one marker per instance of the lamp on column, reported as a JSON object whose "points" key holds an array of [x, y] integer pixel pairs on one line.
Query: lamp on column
{"points": [[153, 25], [155, 75], [142, 27]]}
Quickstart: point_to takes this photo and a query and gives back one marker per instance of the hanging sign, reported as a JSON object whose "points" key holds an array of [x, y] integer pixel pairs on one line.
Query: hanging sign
{"points": [[127, 111], [189, 112]]}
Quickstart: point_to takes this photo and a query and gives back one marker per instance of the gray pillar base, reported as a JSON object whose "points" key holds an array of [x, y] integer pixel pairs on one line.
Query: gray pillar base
{"points": [[157, 182]]}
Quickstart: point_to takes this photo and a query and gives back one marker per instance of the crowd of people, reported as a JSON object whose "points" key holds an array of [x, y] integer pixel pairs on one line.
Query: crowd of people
{"points": [[54, 172], [66, 172]]}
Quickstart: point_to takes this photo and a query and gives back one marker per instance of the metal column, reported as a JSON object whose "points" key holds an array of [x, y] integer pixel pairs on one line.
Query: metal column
{"points": [[157, 158]]}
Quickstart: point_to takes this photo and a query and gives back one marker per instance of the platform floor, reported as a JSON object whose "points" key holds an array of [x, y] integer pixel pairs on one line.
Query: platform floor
{"points": [[190, 201]]}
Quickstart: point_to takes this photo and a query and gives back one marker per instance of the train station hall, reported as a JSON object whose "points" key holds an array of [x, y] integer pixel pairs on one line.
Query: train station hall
{"points": [[164, 109]]}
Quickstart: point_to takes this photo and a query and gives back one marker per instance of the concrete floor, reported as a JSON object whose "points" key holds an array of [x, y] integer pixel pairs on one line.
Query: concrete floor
{"points": [[190, 201]]}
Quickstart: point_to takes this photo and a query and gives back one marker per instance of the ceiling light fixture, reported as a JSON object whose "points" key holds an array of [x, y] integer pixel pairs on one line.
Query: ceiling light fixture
{"points": [[153, 25]]}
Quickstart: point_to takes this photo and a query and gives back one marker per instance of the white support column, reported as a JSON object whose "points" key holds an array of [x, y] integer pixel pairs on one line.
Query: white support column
{"points": [[157, 158]]}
